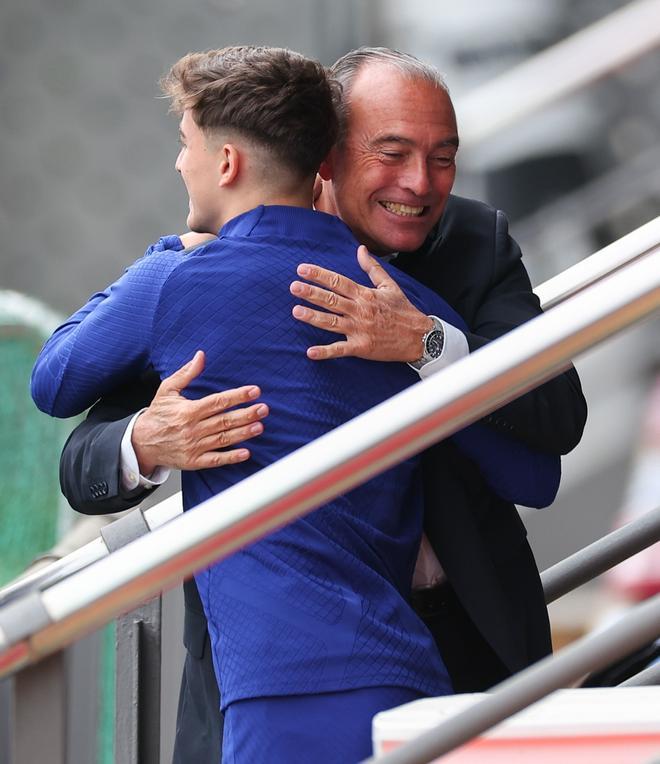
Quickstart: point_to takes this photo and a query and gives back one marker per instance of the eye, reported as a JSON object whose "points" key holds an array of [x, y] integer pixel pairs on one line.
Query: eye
{"points": [[443, 161], [390, 156]]}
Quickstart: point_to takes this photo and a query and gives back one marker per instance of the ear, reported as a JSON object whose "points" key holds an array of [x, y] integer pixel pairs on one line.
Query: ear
{"points": [[326, 170], [324, 197], [228, 164]]}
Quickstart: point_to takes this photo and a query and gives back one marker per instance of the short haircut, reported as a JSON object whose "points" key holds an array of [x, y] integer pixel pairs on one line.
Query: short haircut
{"points": [[280, 99], [345, 69]]}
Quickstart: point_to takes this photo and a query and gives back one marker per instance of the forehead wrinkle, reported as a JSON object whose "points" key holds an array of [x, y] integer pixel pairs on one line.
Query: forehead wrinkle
{"points": [[394, 138]]}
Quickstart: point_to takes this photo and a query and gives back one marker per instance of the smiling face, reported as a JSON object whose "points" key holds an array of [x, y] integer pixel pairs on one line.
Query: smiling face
{"points": [[198, 162], [393, 173]]}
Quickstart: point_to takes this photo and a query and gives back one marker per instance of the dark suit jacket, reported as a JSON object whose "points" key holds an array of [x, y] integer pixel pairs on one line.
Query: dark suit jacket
{"points": [[480, 540]]}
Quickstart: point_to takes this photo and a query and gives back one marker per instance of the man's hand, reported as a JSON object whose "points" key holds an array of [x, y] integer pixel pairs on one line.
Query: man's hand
{"points": [[182, 434], [379, 324]]}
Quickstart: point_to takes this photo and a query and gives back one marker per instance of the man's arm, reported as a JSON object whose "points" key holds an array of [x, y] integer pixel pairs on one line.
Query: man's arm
{"points": [[107, 342], [380, 323], [512, 470], [104, 344], [175, 433], [90, 462], [552, 416]]}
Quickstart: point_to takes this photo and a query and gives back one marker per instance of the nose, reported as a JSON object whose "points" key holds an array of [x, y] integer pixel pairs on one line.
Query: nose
{"points": [[416, 177]]}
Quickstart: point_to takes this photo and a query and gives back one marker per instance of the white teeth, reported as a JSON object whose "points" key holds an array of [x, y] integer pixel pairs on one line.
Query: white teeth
{"points": [[402, 209]]}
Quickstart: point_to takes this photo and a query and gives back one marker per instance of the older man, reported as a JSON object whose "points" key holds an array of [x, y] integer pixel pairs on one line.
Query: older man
{"points": [[390, 178]]}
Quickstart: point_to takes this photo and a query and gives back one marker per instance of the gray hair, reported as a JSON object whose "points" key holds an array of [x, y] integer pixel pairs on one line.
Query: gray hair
{"points": [[345, 69]]}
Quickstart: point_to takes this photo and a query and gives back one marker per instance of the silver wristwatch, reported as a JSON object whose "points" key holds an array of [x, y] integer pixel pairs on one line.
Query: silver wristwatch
{"points": [[433, 343]]}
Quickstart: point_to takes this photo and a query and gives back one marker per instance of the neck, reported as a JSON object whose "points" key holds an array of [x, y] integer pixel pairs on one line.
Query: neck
{"points": [[246, 201]]}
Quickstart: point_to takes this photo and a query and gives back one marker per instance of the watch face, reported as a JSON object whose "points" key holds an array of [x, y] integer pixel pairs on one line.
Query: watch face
{"points": [[434, 343]]}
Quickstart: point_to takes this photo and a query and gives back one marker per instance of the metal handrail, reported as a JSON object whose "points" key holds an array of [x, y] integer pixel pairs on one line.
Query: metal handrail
{"points": [[590, 653], [85, 555], [329, 466], [600, 556], [600, 265], [552, 292]]}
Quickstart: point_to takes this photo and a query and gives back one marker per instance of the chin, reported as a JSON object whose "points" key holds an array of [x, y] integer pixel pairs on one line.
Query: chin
{"points": [[196, 227], [399, 238], [403, 242]]}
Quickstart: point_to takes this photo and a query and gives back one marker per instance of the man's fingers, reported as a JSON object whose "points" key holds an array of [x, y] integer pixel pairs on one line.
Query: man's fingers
{"points": [[324, 352], [219, 459], [335, 282], [370, 265], [331, 322], [322, 297], [231, 420], [181, 378], [227, 438], [217, 402]]}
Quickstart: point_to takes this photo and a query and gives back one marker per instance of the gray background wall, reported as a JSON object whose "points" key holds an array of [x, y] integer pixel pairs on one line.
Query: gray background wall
{"points": [[87, 169]]}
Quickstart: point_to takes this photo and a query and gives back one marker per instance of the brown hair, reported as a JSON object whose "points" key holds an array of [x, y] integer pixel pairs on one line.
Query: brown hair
{"points": [[276, 97]]}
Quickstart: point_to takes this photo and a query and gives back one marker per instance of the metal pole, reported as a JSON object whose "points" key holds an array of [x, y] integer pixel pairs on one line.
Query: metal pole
{"points": [[329, 466], [138, 644], [590, 653], [599, 265], [85, 555], [592, 560], [40, 694]]}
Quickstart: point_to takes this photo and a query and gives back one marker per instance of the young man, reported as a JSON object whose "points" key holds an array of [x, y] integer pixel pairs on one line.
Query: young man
{"points": [[311, 628]]}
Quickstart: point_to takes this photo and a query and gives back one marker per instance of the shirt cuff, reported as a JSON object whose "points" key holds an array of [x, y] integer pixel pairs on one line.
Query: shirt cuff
{"points": [[129, 470], [455, 347]]}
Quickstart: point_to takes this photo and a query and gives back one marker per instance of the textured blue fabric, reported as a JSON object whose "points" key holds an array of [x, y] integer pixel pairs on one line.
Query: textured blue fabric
{"points": [[319, 606], [112, 345], [333, 728]]}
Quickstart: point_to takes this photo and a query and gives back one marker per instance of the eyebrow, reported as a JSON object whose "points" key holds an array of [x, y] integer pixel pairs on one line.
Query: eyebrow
{"points": [[451, 141]]}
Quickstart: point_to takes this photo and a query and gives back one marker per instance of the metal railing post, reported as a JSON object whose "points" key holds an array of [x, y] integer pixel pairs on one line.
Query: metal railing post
{"points": [[40, 694], [7, 720], [137, 725], [138, 650]]}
